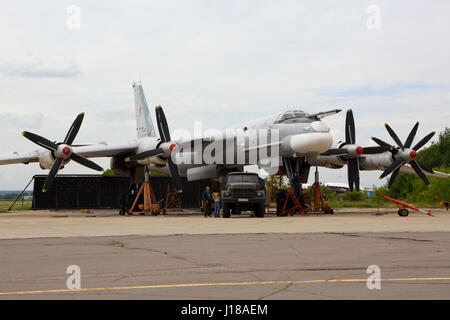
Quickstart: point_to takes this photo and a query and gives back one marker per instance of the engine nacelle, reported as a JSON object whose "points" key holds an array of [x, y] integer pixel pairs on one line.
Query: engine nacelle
{"points": [[376, 162], [46, 160], [150, 143], [333, 162]]}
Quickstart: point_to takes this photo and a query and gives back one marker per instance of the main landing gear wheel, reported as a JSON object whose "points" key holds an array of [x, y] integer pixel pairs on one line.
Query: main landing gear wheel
{"points": [[403, 212]]}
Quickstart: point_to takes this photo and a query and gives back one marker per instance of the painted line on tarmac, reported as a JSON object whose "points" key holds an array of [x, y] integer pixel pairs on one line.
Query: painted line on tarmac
{"points": [[212, 284]]}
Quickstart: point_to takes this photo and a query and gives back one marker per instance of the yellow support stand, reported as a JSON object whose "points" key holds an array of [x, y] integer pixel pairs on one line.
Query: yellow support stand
{"points": [[319, 202], [172, 202], [150, 205]]}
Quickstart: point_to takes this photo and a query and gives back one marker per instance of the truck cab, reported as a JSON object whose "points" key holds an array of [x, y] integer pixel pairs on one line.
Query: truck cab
{"points": [[243, 191]]}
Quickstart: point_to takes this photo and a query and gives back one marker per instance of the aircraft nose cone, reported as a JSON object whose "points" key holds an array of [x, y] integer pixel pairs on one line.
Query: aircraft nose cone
{"points": [[412, 154]]}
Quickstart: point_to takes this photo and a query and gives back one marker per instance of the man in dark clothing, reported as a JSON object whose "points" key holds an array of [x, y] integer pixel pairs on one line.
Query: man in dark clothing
{"points": [[297, 185], [207, 201]]}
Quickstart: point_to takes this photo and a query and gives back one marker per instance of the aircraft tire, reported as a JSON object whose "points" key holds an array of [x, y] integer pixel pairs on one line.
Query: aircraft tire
{"points": [[403, 212]]}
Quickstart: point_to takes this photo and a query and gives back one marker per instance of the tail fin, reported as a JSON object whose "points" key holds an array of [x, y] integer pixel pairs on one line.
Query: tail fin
{"points": [[144, 124]]}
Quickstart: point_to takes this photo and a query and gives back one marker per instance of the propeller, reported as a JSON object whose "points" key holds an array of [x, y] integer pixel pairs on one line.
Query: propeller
{"points": [[351, 152], [405, 154], [62, 151], [164, 149]]}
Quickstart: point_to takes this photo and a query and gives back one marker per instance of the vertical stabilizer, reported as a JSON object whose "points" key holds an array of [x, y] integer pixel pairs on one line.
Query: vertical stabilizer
{"points": [[144, 124]]}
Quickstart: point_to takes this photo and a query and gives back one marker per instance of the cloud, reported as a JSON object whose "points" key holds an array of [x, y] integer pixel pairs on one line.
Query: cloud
{"points": [[222, 63], [21, 121], [115, 115], [381, 91], [35, 67]]}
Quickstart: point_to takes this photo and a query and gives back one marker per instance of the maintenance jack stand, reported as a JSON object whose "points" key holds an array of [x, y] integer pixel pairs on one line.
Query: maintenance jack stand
{"points": [[172, 202], [319, 202], [150, 205], [279, 182], [297, 206]]}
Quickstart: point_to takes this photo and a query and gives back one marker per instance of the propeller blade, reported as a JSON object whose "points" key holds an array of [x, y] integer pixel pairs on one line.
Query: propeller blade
{"points": [[394, 165], [422, 142], [335, 152], [353, 173], [51, 175], [411, 135], [393, 176], [424, 167], [73, 131], [145, 154], [381, 142], [356, 174], [163, 128], [85, 162], [375, 150], [394, 136], [175, 176], [350, 127], [47, 144], [419, 171]]}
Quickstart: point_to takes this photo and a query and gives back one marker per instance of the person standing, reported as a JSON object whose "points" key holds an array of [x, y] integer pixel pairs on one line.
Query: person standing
{"points": [[207, 201], [216, 198]]}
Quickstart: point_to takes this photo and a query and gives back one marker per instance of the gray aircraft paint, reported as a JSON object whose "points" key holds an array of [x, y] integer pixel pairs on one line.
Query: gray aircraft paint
{"points": [[144, 124]]}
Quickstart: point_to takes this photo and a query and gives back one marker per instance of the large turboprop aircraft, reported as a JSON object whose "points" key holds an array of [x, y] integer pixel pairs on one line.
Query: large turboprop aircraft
{"points": [[300, 134], [300, 140]]}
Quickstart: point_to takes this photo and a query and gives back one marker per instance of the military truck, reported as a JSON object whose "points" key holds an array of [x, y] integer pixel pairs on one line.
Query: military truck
{"points": [[243, 192]]}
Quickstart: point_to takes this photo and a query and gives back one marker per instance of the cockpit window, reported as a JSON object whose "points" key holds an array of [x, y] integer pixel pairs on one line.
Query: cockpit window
{"points": [[299, 114], [287, 116], [293, 116]]}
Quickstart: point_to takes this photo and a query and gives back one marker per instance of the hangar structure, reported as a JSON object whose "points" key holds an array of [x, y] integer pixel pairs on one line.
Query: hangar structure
{"points": [[105, 192]]}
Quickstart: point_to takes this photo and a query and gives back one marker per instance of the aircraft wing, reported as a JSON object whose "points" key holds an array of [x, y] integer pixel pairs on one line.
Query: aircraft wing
{"points": [[92, 151], [20, 158], [105, 150], [408, 169]]}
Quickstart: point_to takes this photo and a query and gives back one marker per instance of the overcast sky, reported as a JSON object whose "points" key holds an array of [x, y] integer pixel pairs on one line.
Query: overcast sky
{"points": [[219, 62]]}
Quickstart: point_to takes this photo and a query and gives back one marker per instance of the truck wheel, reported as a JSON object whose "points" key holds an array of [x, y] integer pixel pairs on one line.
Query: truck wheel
{"points": [[403, 212], [226, 211], [259, 210]]}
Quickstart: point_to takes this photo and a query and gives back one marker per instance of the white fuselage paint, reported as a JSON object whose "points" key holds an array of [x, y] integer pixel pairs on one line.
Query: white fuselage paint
{"points": [[295, 139]]}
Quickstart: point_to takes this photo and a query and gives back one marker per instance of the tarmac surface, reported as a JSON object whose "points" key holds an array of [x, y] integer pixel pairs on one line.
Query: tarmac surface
{"points": [[192, 257]]}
